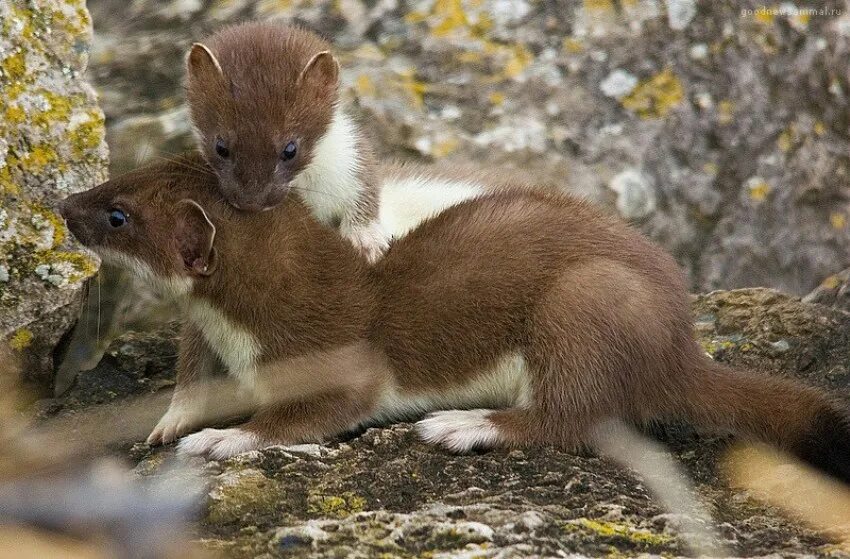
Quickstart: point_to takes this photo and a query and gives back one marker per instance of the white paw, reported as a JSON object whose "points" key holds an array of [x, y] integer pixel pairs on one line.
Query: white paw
{"points": [[459, 430], [218, 444], [371, 240], [177, 421]]}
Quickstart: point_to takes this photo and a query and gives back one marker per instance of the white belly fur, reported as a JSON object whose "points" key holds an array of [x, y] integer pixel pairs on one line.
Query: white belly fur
{"points": [[237, 348], [506, 384]]}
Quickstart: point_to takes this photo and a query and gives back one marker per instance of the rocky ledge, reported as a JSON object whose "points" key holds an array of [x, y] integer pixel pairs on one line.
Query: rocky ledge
{"points": [[385, 493]]}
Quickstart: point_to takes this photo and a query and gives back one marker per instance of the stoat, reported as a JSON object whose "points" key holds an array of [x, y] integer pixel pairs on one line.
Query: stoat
{"points": [[264, 103], [516, 318]]}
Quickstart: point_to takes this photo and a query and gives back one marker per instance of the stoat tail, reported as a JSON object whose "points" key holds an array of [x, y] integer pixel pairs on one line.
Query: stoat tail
{"points": [[798, 418]]}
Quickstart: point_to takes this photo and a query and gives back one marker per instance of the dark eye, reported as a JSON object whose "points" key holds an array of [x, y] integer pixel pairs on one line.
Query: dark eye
{"points": [[221, 149], [117, 218], [289, 151]]}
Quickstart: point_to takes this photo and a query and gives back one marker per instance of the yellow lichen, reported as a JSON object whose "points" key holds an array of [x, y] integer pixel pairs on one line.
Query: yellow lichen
{"points": [[451, 15], [83, 266], [7, 185], [335, 506], [725, 111], [55, 221], [38, 157], [21, 339], [758, 190], [572, 45], [599, 5], [415, 89], [444, 147], [364, 86], [87, 135], [14, 66], [519, 59], [764, 15], [831, 282], [785, 141], [642, 538], [496, 98], [58, 110], [838, 220], [15, 114], [656, 96]]}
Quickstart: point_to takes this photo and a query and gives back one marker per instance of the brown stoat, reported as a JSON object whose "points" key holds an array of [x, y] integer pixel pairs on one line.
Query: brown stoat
{"points": [[516, 318], [264, 103]]}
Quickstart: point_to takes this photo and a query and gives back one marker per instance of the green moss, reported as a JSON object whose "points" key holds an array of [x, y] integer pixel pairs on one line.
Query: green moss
{"points": [[335, 506]]}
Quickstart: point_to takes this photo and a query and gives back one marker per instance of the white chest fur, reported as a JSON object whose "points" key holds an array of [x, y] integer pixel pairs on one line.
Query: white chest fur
{"points": [[331, 184], [504, 385], [237, 348]]}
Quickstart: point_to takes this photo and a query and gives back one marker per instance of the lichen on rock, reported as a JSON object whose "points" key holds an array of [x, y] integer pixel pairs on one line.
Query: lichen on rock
{"points": [[51, 145]]}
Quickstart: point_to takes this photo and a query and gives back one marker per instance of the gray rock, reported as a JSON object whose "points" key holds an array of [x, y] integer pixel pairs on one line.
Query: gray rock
{"points": [[51, 144]]}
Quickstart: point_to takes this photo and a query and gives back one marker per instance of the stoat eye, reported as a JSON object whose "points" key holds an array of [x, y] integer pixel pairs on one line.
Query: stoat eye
{"points": [[221, 149], [117, 218], [289, 151]]}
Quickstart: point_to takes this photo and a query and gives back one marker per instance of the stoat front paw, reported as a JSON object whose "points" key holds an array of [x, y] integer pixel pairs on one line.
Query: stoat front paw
{"points": [[371, 240], [218, 444], [177, 421]]}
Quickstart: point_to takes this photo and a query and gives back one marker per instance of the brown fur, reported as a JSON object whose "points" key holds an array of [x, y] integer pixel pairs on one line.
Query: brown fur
{"points": [[599, 313]]}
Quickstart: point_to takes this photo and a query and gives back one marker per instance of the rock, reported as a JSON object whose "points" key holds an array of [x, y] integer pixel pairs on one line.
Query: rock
{"points": [[383, 491], [618, 83], [680, 13], [51, 144], [635, 196], [834, 291]]}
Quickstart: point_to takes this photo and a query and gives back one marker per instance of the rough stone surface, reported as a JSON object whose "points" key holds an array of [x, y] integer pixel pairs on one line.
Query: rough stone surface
{"points": [[51, 144], [737, 121], [834, 291], [384, 493]]}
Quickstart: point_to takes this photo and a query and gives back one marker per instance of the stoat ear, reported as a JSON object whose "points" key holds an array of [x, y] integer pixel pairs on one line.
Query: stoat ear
{"points": [[195, 236], [321, 72], [203, 65]]}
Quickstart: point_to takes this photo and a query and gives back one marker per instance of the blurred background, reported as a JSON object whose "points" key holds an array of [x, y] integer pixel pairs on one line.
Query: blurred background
{"points": [[721, 129]]}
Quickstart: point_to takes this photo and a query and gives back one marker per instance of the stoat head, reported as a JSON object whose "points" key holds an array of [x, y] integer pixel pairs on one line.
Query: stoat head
{"points": [[261, 96], [146, 222]]}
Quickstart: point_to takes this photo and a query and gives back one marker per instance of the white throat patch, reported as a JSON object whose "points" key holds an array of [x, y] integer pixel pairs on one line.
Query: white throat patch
{"points": [[331, 185]]}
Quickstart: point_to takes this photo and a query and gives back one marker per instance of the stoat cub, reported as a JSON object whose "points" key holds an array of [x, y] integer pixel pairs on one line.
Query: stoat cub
{"points": [[264, 103], [517, 318]]}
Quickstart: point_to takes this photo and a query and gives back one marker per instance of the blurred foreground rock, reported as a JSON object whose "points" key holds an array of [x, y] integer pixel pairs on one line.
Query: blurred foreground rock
{"points": [[51, 144], [385, 493], [724, 133]]}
